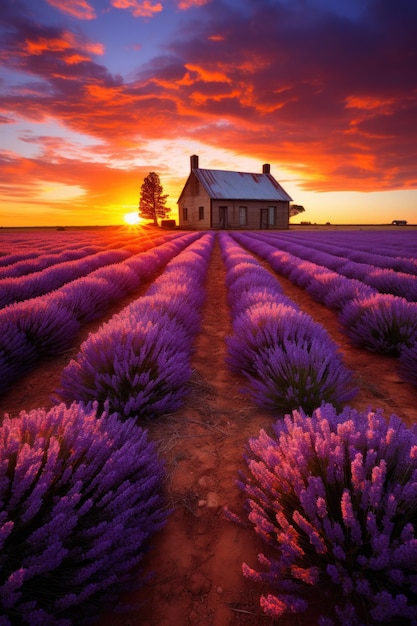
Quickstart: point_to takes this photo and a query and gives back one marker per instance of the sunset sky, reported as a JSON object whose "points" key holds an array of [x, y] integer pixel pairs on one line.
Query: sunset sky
{"points": [[95, 94]]}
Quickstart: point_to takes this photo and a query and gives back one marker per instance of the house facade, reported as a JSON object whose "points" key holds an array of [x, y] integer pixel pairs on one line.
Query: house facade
{"points": [[219, 199]]}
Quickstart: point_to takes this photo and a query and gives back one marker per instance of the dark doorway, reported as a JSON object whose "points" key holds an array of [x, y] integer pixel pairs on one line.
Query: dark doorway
{"points": [[264, 219], [223, 217]]}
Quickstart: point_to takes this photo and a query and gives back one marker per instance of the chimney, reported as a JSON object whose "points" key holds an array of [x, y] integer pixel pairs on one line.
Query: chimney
{"points": [[266, 168], [194, 162]]}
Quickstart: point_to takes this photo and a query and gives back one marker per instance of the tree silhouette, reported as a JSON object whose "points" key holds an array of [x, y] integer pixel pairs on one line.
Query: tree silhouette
{"points": [[295, 209], [152, 201]]}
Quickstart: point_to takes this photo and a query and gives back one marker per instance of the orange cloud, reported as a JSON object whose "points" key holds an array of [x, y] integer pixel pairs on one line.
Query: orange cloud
{"points": [[187, 4], [76, 8], [138, 9], [38, 45], [43, 44], [368, 103], [206, 75]]}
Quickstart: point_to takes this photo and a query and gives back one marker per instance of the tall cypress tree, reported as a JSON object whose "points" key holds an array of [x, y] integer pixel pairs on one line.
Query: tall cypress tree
{"points": [[152, 200]]}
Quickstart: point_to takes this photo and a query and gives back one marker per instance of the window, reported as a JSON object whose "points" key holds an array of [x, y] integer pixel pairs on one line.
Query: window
{"points": [[200, 212], [184, 213], [243, 215], [271, 216]]}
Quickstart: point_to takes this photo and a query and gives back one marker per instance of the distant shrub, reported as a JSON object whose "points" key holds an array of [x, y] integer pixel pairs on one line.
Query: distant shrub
{"points": [[80, 498], [334, 497]]}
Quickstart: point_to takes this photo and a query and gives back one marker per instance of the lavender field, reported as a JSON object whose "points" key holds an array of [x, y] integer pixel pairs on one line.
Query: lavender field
{"points": [[183, 349]]}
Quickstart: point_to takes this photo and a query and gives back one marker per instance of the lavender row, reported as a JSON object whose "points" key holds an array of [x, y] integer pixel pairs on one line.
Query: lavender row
{"points": [[334, 499], [138, 363], [39, 283], [40, 260], [397, 244], [289, 360], [81, 498], [35, 245], [383, 280], [370, 250], [381, 323], [29, 246], [47, 325]]}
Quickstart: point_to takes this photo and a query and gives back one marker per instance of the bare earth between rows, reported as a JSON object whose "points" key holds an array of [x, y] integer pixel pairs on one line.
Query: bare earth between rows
{"points": [[196, 559]]}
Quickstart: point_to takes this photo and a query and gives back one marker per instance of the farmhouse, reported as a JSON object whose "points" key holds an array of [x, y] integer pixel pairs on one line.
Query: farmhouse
{"points": [[218, 199]]}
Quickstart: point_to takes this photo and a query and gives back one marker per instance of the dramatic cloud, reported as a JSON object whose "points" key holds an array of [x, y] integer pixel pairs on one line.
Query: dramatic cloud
{"points": [[330, 96], [76, 8], [187, 4], [138, 9]]}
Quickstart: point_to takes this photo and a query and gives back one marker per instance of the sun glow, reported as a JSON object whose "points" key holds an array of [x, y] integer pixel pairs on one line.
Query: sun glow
{"points": [[131, 218]]}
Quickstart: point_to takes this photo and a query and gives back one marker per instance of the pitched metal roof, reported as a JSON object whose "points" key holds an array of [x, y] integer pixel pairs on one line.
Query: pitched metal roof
{"points": [[225, 185]]}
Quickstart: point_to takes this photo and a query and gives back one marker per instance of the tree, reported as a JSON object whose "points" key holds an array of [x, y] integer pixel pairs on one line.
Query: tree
{"points": [[152, 201], [295, 209]]}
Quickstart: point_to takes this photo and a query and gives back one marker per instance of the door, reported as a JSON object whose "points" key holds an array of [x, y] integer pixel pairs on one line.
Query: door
{"points": [[264, 219], [223, 223]]}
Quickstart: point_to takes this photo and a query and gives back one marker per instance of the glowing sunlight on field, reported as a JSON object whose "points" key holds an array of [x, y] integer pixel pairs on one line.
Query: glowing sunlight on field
{"points": [[131, 218]]}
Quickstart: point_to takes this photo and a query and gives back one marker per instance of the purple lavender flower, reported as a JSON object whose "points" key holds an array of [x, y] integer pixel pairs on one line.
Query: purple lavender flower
{"points": [[334, 498], [80, 499], [381, 323], [289, 360], [140, 368], [300, 374], [47, 326]]}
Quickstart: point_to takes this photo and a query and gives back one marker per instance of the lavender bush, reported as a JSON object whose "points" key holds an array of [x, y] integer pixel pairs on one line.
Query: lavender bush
{"points": [[48, 327], [334, 497], [86, 298], [17, 353], [381, 323], [80, 499], [138, 365], [335, 291], [408, 363], [289, 359]]}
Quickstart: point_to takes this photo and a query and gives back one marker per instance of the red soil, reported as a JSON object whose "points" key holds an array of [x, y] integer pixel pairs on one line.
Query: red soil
{"points": [[196, 559]]}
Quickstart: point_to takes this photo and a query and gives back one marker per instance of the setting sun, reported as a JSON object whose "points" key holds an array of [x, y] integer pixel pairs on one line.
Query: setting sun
{"points": [[131, 218]]}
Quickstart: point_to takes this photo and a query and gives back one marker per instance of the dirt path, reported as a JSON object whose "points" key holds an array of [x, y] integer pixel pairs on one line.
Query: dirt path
{"points": [[197, 558]]}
